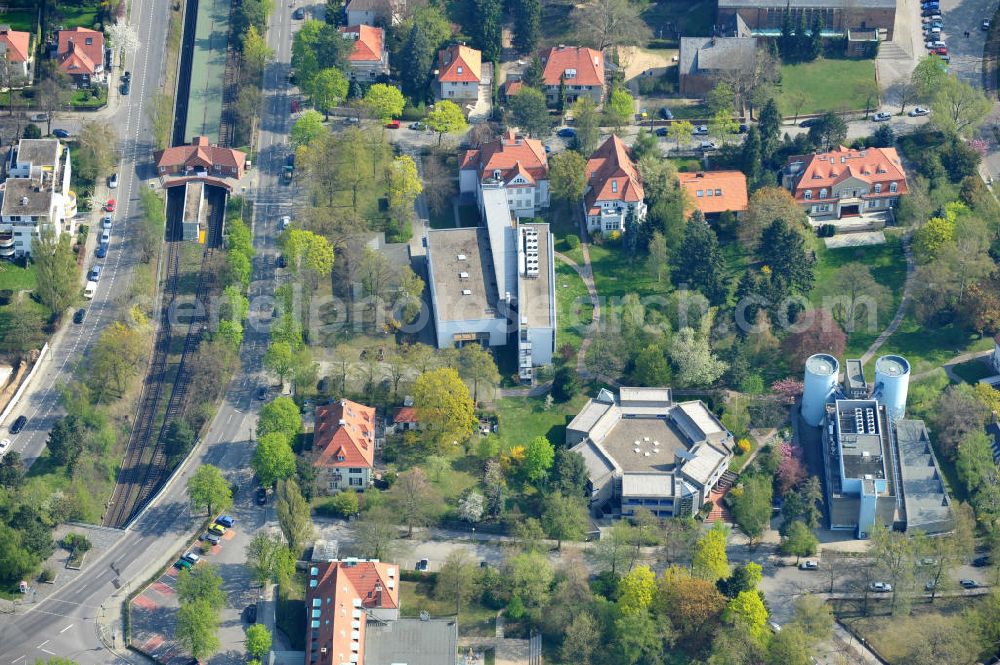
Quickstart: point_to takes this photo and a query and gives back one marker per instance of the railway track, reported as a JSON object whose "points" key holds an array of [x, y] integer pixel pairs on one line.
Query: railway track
{"points": [[144, 468]]}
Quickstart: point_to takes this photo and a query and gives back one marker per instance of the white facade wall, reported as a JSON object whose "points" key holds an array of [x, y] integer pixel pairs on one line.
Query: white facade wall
{"points": [[446, 330], [468, 181], [458, 90]]}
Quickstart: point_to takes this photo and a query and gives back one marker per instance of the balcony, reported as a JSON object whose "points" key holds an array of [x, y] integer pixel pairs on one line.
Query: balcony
{"points": [[69, 207], [6, 245]]}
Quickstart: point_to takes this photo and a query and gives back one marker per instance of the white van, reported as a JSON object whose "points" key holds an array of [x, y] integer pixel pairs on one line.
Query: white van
{"points": [[90, 290]]}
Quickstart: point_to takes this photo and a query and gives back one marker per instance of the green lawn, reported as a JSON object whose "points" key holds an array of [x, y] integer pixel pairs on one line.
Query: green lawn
{"points": [[76, 15], [468, 216], [974, 370], [689, 17], [574, 310], [290, 613], [443, 220], [19, 18], [927, 347], [690, 111], [16, 278], [416, 597], [685, 164], [85, 99], [524, 418], [616, 274], [888, 266], [828, 85]]}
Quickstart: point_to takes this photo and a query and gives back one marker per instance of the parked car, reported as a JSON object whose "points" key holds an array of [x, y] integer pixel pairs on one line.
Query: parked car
{"points": [[982, 561], [986, 24], [60, 133], [4, 446], [226, 520], [881, 116], [418, 126], [930, 585], [665, 113], [127, 76], [932, 32], [392, 124], [933, 23], [95, 273], [930, 12], [708, 145], [743, 128], [968, 584], [110, 205], [212, 538], [105, 236], [217, 528], [809, 564], [181, 564], [285, 222], [941, 50], [880, 587], [809, 122], [102, 250], [935, 44], [701, 130], [192, 557], [113, 181], [918, 111], [299, 14], [661, 131], [423, 564], [280, 261], [18, 424], [262, 393], [774, 626], [251, 613], [928, 561], [566, 133], [261, 496], [90, 290], [79, 315], [125, 87]]}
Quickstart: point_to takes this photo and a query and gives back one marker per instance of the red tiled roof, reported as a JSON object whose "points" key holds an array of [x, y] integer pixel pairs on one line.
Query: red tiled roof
{"points": [[511, 155], [344, 435], [459, 64], [368, 42], [200, 153], [511, 88], [342, 588], [18, 44], [611, 175], [828, 169], [582, 66], [75, 55], [721, 190], [405, 414]]}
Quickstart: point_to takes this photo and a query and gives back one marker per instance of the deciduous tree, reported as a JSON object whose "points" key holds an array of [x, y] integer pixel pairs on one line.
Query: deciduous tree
{"points": [[414, 498], [586, 124], [444, 406], [269, 558], [709, 560], [605, 23], [567, 176], [456, 581], [619, 108], [293, 515], [273, 459], [197, 629], [57, 273], [538, 457], [528, 111], [799, 540], [384, 101], [957, 107], [564, 518], [695, 362], [208, 489], [446, 118], [307, 128]]}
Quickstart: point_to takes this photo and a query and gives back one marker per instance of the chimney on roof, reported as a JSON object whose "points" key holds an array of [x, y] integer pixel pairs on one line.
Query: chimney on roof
{"points": [[378, 595]]}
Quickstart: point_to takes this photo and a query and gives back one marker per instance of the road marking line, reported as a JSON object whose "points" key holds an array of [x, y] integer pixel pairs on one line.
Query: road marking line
{"points": [[16, 659], [51, 653], [66, 628], [43, 644]]}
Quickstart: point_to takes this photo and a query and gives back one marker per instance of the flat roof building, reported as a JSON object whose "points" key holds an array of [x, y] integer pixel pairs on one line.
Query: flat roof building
{"points": [[642, 449]]}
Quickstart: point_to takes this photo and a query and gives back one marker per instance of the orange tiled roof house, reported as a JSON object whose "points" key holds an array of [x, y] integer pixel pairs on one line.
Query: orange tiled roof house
{"points": [[369, 58], [16, 48], [613, 187], [200, 157], [459, 72], [80, 54], [715, 192], [343, 452], [579, 69], [515, 163], [846, 183]]}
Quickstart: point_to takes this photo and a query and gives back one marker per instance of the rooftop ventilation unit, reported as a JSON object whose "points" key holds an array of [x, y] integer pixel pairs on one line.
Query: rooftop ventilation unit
{"points": [[463, 275], [461, 257], [466, 292]]}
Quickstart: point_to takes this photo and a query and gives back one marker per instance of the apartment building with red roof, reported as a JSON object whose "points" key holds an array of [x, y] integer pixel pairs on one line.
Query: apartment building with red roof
{"points": [[516, 163], [80, 54], [16, 47], [200, 156], [459, 73], [369, 58], [579, 69], [343, 446], [715, 192], [613, 187], [846, 182], [342, 596]]}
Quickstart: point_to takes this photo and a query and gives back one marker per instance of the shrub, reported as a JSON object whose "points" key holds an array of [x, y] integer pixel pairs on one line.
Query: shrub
{"points": [[572, 241], [47, 574], [515, 608], [343, 504], [743, 445], [32, 131], [76, 542]]}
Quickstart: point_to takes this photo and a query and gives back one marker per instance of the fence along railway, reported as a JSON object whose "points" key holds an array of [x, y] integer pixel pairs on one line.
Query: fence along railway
{"points": [[144, 467]]}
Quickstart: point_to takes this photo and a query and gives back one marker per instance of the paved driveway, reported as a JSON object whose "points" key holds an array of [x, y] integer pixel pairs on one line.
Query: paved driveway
{"points": [[959, 17]]}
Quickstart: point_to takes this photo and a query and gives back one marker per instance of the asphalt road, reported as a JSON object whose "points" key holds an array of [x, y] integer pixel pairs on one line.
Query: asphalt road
{"points": [[65, 623], [40, 402]]}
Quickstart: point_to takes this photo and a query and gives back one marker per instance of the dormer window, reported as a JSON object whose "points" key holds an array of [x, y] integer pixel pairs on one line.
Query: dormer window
{"points": [[892, 187], [459, 70], [808, 194], [822, 193], [88, 41], [571, 73], [878, 188], [614, 187], [340, 458]]}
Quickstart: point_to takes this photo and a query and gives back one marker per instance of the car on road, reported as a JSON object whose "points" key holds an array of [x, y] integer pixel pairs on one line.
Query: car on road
{"points": [[39, 117], [90, 290], [113, 181], [102, 250], [774, 626], [918, 111], [281, 262], [986, 24], [262, 393], [881, 116], [217, 528], [880, 587], [125, 87], [418, 126], [60, 133], [225, 520], [392, 124], [708, 145], [18, 424], [701, 130], [79, 316], [4, 446], [251, 613], [935, 44], [968, 584], [423, 564], [106, 222], [665, 113], [192, 557], [212, 538], [261, 496], [105, 236], [285, 222], [661, 131], [933, 23], [110, 205], [181, 564], [299, 14], [809, 564], [982, 561], [927, 561], [940, 50], [95, 273], [566, 133], [809, 122]]}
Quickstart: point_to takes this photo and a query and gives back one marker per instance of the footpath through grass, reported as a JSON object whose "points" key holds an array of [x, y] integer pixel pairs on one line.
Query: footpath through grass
{"points": [[575, 311], [827, 85]]}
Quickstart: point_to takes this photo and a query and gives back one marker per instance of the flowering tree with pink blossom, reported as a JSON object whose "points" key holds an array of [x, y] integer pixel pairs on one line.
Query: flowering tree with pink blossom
{"points": [[791, 472], [787, 389]]}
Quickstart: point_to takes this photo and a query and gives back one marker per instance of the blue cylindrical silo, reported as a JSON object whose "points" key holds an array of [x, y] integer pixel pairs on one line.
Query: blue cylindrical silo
{"points": [[820, 384]]}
